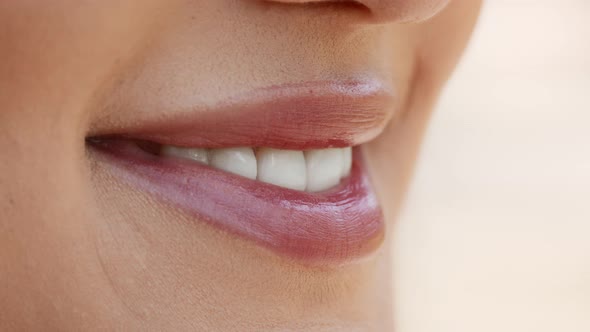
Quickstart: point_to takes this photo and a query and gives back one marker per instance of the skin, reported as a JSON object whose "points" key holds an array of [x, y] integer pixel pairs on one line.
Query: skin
{"points": [[79, 250]]}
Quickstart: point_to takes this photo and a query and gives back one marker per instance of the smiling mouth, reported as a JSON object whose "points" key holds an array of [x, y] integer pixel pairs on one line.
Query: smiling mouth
{"points": [[276, 167]]}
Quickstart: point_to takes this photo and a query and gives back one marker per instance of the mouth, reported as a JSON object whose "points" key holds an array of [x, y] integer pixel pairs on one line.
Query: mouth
{"points": [[282, 167]]}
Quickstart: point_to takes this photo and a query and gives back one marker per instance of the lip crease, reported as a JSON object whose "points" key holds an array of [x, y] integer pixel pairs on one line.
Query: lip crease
{"points": [[333, 227]]}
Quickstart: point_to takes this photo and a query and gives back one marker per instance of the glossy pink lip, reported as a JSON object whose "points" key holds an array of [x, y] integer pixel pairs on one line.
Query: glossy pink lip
{"points": [[326, 228], [294, 116]]}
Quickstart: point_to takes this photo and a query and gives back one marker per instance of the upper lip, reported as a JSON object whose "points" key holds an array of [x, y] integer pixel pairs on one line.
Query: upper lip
{"points": [[292, 116], [332, 227]]}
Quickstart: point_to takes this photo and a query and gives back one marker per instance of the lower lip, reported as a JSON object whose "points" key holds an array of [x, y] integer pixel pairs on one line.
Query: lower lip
{"points": [[333, 227]]}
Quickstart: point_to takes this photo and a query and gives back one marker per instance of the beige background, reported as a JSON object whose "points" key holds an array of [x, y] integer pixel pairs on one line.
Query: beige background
{"points": [[496, 232]]}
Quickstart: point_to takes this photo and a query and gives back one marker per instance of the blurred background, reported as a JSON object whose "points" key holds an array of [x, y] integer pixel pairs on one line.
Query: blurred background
{"points": [[495, 235]]}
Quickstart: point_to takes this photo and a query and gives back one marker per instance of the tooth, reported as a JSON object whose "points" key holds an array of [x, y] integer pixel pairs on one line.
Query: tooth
{"points": [[346, 161], [200, 155], [285, 168], [239, 161], [324, 168], [313, 170]]}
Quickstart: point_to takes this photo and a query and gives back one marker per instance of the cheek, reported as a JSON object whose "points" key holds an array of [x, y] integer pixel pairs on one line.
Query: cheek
{"points": [[51, 67]]}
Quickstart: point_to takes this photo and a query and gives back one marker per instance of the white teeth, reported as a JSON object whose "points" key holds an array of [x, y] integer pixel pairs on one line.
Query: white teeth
{"points": [[200, 155], [284, 168], [240, 161], [312, 170], [346, 161], [324, 168]]}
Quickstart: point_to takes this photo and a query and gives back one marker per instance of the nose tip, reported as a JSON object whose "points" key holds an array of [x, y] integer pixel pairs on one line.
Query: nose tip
{"points": [[405, 11], [384, 11]]}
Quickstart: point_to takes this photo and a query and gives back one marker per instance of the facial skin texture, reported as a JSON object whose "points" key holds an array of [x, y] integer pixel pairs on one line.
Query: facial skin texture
{"points": [[81, 250]]}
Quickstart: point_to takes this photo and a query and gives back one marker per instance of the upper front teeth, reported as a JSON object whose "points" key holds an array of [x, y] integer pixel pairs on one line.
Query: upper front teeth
{"points": [[324, 168], [239, 161], [285, 168], [312, 170]]}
